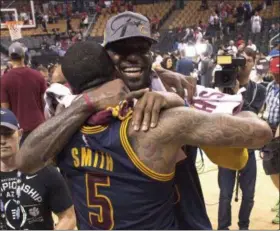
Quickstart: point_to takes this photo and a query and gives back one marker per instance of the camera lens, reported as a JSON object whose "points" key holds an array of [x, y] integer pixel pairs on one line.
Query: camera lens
{"points": [[226, 78]]}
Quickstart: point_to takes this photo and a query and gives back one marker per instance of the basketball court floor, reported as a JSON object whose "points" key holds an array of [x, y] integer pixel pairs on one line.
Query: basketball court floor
{"points": [[266, 197]]}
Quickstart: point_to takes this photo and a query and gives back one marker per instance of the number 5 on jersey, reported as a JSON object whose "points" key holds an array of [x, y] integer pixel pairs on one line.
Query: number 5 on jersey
{"points": [[104, 218]]}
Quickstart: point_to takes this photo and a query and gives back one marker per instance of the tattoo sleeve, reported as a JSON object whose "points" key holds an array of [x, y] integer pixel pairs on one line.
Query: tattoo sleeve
{"points": [[158, 147], [152, 153], [50, 137], [187, 126]]}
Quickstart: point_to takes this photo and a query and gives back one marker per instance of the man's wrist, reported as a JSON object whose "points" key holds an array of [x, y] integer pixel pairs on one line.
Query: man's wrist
{"points": [[82, 105], [88, 102]]}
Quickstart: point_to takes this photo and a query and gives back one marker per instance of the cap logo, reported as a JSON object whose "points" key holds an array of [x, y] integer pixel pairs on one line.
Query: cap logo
{"points": [[143, 29], [129, 22]]}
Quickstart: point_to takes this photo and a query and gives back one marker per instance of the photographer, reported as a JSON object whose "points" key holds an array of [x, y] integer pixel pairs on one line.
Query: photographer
{"points": [[254, 98]]}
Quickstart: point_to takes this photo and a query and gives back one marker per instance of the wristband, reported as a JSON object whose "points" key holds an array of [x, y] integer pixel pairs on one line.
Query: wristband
{"points": [[186, 103], [88, 102]]}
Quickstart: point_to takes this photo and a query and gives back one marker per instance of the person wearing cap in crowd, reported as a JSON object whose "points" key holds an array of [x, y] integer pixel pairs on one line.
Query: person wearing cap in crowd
{"points": [[275, 52], [22, 90], [27, 201], [126, 35], [272, 164]]}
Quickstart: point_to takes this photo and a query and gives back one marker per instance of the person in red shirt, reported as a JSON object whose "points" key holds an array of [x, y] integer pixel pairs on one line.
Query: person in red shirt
{"points": [[22, 90], [240, 41]]}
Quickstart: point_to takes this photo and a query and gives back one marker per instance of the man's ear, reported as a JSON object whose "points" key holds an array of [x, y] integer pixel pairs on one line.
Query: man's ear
{"points": [[20, 133]]}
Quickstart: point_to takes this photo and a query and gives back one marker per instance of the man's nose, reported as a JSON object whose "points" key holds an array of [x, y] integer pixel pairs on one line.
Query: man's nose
{"points": [[2, 140], [132, 58]]}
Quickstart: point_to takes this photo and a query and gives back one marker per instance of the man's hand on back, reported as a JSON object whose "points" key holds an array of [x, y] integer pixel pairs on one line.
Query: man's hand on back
{"points": [[147, 109]]}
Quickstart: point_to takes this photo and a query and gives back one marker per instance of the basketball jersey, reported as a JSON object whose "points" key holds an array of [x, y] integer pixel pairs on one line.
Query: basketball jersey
{"points": [[111, 187]]}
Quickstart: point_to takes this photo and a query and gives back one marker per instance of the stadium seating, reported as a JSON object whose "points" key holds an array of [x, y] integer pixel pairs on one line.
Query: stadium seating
{"points": [[161, 10], [190, 14]]}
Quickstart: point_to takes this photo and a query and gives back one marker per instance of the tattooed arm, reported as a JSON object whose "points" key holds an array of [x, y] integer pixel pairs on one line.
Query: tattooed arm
{"points": [[49, 138], [198, 128], [178, 126]]}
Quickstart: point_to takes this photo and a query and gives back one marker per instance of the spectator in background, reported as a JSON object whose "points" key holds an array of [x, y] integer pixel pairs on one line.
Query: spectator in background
{"points": [[130, 6], [184, 65], [198, 35], [84, 20], [260, 6], [205, 69], [155, 23], [26, 102], [273, 30], [204, 5], [240, 40], [271, 165], [91, 7], [181, 45], [240, 13], [276, 50], [251, 45], [256, 23], [241, 48], [232, 49], [272, 95], [68, 25], [33, 197], [213, 17], [248, 10], [167, 63], [201, 25], [45, 73], [45, 20], [45, 45]]}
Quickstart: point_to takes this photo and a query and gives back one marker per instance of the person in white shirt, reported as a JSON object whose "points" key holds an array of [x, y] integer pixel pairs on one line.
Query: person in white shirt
{"points": [[256, 23], [182, 46], [232, 49], [213, 17], [198, 35], [252, 45]]}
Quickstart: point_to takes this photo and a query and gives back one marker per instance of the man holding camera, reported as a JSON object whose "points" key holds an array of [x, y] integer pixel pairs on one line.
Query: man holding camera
{"points": [[254, 98]]}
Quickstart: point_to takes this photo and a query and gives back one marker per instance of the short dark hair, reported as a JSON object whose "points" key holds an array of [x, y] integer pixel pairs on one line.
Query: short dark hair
{"points": [[250, 52], [86, 65], [16, 57]]}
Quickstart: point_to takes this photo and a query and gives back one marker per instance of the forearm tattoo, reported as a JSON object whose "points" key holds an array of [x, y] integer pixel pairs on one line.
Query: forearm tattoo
{"points": [[158, 147], [50, 137]]}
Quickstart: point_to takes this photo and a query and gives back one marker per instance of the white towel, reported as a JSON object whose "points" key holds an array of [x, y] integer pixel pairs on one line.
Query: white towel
{"points": [[208, 99], [59, 93]]}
